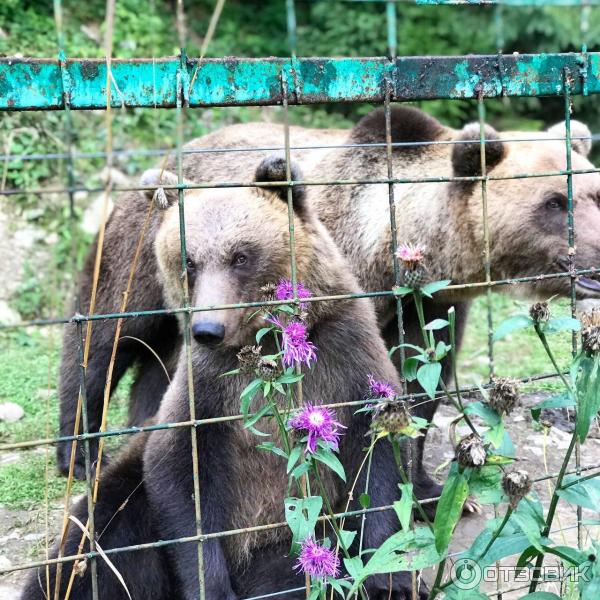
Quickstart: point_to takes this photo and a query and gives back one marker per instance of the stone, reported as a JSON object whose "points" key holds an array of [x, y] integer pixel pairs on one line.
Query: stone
{"points": [[10, 412]]}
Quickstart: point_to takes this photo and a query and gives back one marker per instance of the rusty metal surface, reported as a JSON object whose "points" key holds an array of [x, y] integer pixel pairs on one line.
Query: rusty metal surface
{"points": [[37, 84]]}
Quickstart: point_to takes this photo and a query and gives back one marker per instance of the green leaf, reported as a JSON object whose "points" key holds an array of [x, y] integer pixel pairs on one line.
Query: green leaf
{"points": [[585, 493], [449, 509], [364, 500], [540, 596], [354, 566], [559, 401], [257, 416], [526, 557], [530, 527], [327, 457], [435, 286], [428, 376], [260, 334], [588, 394], [293, 458], [512, 324], [271, 447], [485, 484], [573, 556], [484, 411], [400, 290], [436, 324], [403, 507], [346, 538], [290, 378], [495, 435], [403, 551], [409, 368], [300, 470], [248, 394], [301, 515], [441, 350], [562, 324]]}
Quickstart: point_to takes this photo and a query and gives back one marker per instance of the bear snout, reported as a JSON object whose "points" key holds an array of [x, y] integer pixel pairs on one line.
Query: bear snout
{"points": [[208, 332]]}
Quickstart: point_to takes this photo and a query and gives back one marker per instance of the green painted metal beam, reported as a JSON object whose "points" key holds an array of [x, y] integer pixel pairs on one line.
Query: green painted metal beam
{"points": [[37, 84]]}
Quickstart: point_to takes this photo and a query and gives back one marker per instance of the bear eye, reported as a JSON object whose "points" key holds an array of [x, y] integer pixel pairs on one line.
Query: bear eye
{"points": [[190, 264], [239, 259], [556, 202]]}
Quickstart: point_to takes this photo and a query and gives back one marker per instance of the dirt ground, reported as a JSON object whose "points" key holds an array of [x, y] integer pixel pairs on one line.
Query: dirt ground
{"points": [[22, 532]]}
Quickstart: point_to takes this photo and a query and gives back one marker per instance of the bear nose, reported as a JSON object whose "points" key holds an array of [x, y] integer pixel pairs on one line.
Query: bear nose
{"points": [[208, 332]]}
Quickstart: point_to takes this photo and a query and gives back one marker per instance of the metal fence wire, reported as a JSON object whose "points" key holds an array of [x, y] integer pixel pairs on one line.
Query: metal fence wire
{"points": [[182, 83]]}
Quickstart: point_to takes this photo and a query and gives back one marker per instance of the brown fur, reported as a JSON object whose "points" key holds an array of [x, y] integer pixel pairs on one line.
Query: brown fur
{"points": [[240, 485], [526, 237]]}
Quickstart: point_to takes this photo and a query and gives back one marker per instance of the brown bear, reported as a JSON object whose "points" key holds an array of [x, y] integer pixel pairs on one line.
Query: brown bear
{"points": [[237, 243], [527, 221]]}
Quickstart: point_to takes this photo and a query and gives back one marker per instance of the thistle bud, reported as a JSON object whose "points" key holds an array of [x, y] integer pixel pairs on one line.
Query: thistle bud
{"points": [[590, 332], [470, 451], [268, 369], [539, 312], [516, 485], [249, 359], [504, 395], [391, 417]]}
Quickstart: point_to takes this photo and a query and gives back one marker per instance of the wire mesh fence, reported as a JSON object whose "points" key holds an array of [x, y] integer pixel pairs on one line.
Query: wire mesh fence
{"points": [[185, 83]]}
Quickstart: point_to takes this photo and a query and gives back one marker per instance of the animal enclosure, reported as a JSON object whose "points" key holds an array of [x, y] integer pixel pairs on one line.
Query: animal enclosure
{"points": [[188, 85]]}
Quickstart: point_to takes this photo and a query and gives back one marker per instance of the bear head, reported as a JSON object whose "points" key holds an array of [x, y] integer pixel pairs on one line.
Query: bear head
{"points": [[237, 242], [528, 217]]}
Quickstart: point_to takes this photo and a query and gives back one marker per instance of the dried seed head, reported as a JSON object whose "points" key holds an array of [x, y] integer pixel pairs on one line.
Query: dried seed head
{"points": [[248, 359], [516, 485], [470, 451], [268, 291], [590, 332], [160, 198], [268, 369], [539, 312], [80, 567], [504, 394], [391, 417]]}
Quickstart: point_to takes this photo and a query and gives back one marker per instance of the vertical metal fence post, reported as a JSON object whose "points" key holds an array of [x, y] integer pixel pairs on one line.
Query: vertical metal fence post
{"points": [[568, 107], [486, 234], [183, 88]]}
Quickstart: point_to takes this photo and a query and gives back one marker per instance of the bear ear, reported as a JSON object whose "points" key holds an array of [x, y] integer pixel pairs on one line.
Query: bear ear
{"points": [[466, 158], [272, 168], [581, 136], [156, 179]]}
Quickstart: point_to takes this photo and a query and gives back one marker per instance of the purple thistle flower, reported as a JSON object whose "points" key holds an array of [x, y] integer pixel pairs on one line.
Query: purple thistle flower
{"points": [[381, 389], [317, 561], [320, 424], [296, 346], [285, 291]]}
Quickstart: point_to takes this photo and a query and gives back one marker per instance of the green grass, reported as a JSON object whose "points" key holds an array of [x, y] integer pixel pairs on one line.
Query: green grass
{"points": [[29, 366], [520, 354], [28, 377]]}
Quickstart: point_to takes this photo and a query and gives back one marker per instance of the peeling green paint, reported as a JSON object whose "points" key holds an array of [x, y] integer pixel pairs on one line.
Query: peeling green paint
{"points": [[27, 84]]}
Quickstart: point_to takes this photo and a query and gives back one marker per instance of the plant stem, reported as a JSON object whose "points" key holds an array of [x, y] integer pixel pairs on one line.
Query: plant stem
{"points": [[555, 498], [438, 580], [544, 341], [398, 458], [421, 315], [332, 518]]}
